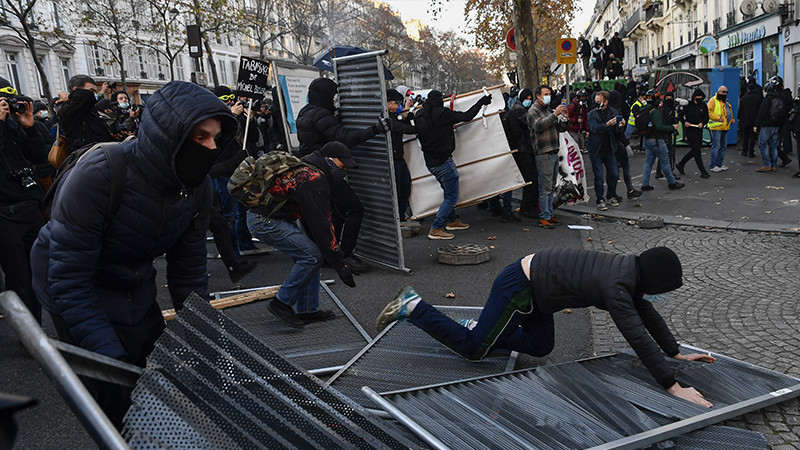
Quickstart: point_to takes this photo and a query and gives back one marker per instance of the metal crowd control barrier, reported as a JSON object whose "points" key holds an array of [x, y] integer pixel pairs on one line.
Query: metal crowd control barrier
{"points": [[55, 366]]}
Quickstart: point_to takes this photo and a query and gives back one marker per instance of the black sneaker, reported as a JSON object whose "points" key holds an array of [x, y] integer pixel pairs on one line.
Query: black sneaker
{"points": [[238, 272], [679, 166], [318, 316], [285, 313], [633, 194], [509, 218], [676, 185], [647, 188], [357, 266]]}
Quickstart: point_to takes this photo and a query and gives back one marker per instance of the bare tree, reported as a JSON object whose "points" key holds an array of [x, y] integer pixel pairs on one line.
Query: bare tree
{"points": [[30, 24], [314, 23], [265, 25], [380, 28], [164, 33], [112, 21], [216, 18]]}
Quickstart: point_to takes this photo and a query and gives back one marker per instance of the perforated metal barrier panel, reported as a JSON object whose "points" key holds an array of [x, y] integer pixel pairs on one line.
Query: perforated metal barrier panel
{"points": [[211, 384], [310, 347], [362, 100], [609, 402], [405, 356]]}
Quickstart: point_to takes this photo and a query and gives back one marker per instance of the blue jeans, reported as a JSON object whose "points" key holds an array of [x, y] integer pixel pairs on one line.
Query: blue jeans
{"points": [[229, 208], [509, 320], [656, 148], [768, 136], [719, 140], [547, 164], [447, 176], [599, 162], [301, 288]]}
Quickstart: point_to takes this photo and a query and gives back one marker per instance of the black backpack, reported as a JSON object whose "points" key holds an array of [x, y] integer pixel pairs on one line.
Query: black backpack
{"points": [[777, 109], [643, 123], [116, 162]]}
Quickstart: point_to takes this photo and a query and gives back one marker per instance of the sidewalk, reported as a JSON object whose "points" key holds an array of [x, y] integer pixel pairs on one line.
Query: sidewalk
{"points": [[737, 199]]}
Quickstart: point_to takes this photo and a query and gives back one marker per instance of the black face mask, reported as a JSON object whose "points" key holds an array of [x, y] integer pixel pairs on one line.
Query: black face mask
{"points": [[698, 99], [722, 97], [599, 105], [193, 161], [669, 103]]}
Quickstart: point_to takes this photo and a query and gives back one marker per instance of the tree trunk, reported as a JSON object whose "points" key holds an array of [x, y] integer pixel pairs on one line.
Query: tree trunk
{"points": [[211, 63], [526, 52], [39, 67]]}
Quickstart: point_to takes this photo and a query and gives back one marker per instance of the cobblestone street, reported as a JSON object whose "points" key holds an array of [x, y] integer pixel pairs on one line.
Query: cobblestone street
{"points": [[739, 299]]}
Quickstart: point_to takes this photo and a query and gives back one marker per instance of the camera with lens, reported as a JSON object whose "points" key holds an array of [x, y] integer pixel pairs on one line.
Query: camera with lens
{"points": [[24, 176]]}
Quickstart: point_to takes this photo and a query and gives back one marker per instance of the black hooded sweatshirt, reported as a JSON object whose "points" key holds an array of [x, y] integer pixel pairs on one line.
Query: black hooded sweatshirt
{"points": [[317, 124], [695, 113], [749, 106], [435, 131]]}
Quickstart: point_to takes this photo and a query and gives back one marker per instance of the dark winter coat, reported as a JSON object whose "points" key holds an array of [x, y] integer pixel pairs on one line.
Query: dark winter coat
{"points": [[659, 129], [435, 131], [571, 278], [399, 128], [749, 105], [598, 130], [765, 117], [517, 119], [317, 124], [695, 113], [96, 278], [80, 123], [20, 148]]}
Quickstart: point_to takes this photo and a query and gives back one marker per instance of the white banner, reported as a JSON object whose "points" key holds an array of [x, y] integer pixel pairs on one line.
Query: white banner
{"points": [[485, 163], [571, 181]]}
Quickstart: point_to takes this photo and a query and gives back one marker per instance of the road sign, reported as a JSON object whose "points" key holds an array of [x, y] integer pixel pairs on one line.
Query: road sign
{"points": [[567, 51], [511, 40]]}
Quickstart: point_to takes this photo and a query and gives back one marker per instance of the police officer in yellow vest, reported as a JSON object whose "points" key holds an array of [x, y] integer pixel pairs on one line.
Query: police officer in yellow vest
{"points": [[720, 115]]}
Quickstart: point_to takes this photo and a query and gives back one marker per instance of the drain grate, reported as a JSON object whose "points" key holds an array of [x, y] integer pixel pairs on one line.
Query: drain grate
{"points": [[211, 384]]}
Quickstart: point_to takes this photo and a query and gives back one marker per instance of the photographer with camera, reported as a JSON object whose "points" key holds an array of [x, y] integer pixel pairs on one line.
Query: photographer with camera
{"points": [[22, 147], [78, 117], [127, 113]]}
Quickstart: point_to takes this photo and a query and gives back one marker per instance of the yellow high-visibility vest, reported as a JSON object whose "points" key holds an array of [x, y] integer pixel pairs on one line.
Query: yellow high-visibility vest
{"points": [[720, 111], [632, 117]]}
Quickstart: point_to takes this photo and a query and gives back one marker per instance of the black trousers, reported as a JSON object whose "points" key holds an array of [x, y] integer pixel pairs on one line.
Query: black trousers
{"points": [[402, 180], [526, 162], [749, 139], [222, 235], [694, 136], [19, 226], [347, 216], [139, 340]]}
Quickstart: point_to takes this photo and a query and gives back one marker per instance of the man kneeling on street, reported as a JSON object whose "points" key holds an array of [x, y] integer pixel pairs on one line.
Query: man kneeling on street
{"points": [[518, 315]]}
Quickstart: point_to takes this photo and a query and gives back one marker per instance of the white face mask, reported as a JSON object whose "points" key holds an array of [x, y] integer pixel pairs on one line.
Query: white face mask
{"points": [[653, 298], [44, 114], [546, 99]]}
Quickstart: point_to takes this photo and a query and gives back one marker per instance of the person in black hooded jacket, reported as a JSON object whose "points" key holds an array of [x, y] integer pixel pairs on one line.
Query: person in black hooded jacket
{"points": [[694, 117], [748, 110], [96, 278], [318, 124], [437, 138], [518, 314], [79, 120], [400, 126]]}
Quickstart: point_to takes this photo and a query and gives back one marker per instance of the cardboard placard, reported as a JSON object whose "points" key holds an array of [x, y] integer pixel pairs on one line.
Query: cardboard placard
{"points": [[253, 79]]}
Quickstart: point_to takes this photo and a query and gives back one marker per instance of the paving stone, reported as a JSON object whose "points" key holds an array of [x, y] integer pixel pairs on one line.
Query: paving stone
{"points": [[778, 426]]}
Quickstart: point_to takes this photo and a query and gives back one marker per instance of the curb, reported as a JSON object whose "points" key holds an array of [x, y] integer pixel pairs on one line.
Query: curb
{"points": [[703, 223]]}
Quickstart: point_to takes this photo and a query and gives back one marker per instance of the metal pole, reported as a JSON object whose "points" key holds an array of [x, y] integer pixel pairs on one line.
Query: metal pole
{"points": [[69, 386], [405, 420], [247, 125]]}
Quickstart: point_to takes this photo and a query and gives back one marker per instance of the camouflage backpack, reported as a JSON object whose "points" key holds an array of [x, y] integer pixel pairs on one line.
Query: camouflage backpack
{"points": [[250, 181]]}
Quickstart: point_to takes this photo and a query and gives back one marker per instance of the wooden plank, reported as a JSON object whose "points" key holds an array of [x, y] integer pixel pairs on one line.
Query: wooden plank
{"points": [[234, 300]]}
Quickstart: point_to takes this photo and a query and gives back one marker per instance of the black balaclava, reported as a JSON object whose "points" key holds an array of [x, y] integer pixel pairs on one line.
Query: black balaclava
{"points": [[435, 98], [659, 271], [193, 161], [321, 92]]}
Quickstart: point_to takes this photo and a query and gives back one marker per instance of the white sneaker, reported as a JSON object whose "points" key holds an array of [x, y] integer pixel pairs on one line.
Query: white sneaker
{"points": [[715, 169], [723, 167]]}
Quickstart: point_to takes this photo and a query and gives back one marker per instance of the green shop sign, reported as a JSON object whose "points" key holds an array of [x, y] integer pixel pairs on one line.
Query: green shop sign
{"points": [[743, 37]]}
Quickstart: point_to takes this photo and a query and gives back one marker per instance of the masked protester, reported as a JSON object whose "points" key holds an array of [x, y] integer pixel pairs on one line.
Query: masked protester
{"points": [[79, 119], [93, 268], [401, 125], [655, 143], [669, 114], [694, 118], [606, 135], [518, 315], [517, 120]]}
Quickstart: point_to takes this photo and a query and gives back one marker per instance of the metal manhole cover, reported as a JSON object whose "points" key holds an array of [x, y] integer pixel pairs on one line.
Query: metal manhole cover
{"points": [[463, 254]]}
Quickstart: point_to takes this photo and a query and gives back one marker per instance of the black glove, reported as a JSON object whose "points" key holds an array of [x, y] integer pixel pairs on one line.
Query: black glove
{"points": [[384, 125], [486, 100], [344, 272]]}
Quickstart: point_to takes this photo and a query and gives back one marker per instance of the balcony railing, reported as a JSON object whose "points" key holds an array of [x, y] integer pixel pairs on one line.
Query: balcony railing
{"points": [[653, 11], [731, 19], [717, 25], [634, 19]]}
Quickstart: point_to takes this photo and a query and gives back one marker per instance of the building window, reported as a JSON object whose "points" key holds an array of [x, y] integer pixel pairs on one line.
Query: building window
{"points": [[223, 72], [234, 72], [141, 62], [179, 68], [95, 61], [43, 61], [12, 67], [53, 10], [769, 57], [66, 72]]}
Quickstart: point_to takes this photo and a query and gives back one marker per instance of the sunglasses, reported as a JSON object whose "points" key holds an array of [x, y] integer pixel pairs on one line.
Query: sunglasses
{"points": [[9, 90], [225, 98], [723, 92]]}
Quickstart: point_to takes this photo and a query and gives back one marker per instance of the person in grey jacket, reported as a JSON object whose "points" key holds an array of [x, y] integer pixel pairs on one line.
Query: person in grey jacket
{"points": [[518, 314]]}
